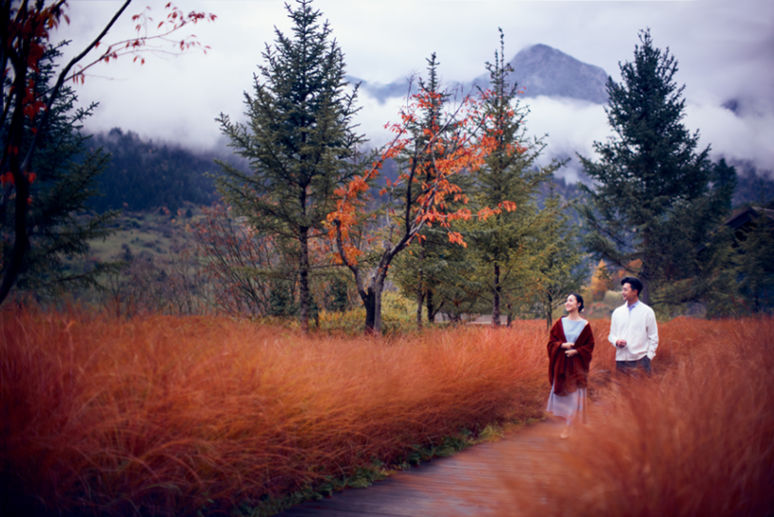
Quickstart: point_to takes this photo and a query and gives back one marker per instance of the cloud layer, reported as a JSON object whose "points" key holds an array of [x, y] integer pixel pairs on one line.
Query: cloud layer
{"points": [[725, 51]]}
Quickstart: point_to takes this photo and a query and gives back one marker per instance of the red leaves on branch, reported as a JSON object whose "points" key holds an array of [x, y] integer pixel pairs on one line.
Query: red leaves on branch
{"points": [[425, 189], [152, 37], [486, 212]]}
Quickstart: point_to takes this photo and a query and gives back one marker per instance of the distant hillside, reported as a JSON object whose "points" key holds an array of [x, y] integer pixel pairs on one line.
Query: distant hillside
{"points": [[538, 70], [143, 175]]}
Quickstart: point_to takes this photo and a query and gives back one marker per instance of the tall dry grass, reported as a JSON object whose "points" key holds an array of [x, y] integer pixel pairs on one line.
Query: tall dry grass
{"points": [[171, 415], [696, 439]]}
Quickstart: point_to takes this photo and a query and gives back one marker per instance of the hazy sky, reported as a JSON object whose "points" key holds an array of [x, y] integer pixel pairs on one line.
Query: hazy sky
{"points": [[725, 50]]}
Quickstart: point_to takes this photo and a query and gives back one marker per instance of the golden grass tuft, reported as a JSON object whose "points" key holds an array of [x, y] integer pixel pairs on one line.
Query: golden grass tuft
{"points": [[695, 439], [171, 415]]}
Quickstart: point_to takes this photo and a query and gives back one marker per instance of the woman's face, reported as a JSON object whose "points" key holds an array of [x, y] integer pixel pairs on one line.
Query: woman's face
{"points": [[571, 305]]}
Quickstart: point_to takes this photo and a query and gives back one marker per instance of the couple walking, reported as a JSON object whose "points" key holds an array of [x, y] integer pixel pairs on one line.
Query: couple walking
{"points": [[633, 333]]}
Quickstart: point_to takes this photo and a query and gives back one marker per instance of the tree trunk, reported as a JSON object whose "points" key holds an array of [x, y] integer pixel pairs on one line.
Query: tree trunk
{"points": [[12, 267], [370, 307], [644, 274], [496, 298], [420, 299], [372, 299], [377, 294], [431, 310], [303, 275]]}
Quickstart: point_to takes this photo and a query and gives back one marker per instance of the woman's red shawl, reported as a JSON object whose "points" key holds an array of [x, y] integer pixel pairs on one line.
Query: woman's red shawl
{"points": [[567, 374]]}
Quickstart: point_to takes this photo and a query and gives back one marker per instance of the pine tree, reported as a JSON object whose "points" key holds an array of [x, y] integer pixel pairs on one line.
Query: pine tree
{"points": [[656, 199], [755, 266], [59, 227], [509, 175], [558, 262], [299, 140]]}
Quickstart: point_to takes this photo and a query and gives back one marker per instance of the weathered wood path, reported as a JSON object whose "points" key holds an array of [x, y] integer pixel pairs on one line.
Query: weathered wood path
{"points": [[467, 483]]}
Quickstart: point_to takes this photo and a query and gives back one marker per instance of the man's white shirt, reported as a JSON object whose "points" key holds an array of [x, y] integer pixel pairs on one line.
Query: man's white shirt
{"points": [[636, 325]]}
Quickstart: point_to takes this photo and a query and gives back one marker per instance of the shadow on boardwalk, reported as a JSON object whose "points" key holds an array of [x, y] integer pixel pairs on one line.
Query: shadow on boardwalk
{"points": [[464, 484]]}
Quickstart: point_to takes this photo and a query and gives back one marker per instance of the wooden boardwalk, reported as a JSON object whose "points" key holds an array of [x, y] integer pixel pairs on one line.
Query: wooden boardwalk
{"points": [[467, 483]]}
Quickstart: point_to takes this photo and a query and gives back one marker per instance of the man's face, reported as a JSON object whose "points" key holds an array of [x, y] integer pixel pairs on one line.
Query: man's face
{"points": [[628, 293]]}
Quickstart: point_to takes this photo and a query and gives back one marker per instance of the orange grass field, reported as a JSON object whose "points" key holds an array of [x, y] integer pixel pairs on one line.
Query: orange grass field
{"points": [[171, 415], [175, 415], [696, 439]]}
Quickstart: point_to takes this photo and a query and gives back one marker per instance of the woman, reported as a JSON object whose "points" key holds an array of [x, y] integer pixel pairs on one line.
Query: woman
{"points": [[570, 345]]}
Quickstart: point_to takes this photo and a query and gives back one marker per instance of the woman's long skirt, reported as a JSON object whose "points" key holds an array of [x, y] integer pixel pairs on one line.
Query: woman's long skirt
{"points": [[568, 406]]}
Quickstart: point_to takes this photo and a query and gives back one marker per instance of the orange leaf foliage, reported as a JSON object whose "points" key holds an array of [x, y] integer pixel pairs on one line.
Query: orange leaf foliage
{"points": [[452, 147]]}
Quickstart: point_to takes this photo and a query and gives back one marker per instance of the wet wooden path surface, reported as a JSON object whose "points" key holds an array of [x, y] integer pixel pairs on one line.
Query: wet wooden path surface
{"points": [[468, 483]]}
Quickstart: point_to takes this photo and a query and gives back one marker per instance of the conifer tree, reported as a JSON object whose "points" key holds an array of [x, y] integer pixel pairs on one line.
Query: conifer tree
{"points": [[656, 199], [509, 175], [755, 251], [299, 140], [59, 227], [557, 260]]}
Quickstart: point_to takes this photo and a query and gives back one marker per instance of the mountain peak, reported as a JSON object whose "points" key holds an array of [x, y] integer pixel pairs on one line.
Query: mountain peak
{"points": [[544, 70], [538, 70]]}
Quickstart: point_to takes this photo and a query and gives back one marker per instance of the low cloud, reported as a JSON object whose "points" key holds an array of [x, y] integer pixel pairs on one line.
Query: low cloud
{"points": [[745, 135], [570, 127]]}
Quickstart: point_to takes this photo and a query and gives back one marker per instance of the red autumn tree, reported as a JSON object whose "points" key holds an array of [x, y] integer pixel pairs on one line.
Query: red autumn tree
{"points": [[434, 145], [26, 28]]}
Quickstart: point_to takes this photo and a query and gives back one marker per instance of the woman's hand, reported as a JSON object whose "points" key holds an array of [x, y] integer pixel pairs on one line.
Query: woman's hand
{"points": [[571, 352], [567, 345]]}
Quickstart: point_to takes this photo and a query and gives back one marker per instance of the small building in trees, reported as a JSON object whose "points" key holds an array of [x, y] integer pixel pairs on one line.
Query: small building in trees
{"points": [[744, 220]]}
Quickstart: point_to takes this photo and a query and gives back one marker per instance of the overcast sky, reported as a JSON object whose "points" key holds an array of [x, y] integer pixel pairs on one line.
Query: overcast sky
{"points": [[725, 50]]}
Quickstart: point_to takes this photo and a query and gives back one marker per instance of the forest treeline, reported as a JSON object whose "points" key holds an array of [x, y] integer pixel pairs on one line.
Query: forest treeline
{"points": [[143, 174]]}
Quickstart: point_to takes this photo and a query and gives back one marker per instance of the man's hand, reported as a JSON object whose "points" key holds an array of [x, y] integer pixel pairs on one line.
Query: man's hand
{"points": [[620, 343]]}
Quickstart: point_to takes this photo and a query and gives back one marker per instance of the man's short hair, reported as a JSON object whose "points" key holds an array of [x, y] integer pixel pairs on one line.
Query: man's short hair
{"points": [[634, 282]]}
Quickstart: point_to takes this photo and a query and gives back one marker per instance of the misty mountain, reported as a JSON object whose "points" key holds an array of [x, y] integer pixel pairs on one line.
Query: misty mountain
{"points": [[538, 70], [144, 175]]}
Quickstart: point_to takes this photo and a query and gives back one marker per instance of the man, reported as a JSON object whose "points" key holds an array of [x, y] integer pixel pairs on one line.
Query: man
{"points": [[633, 330]]}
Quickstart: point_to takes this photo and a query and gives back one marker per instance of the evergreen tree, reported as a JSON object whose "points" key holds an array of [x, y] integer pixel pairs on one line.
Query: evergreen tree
{"points": [[656, 201], [299, 140], [509, 177], [437, 275], [59, 227], [558, 263], [755, 250]]}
